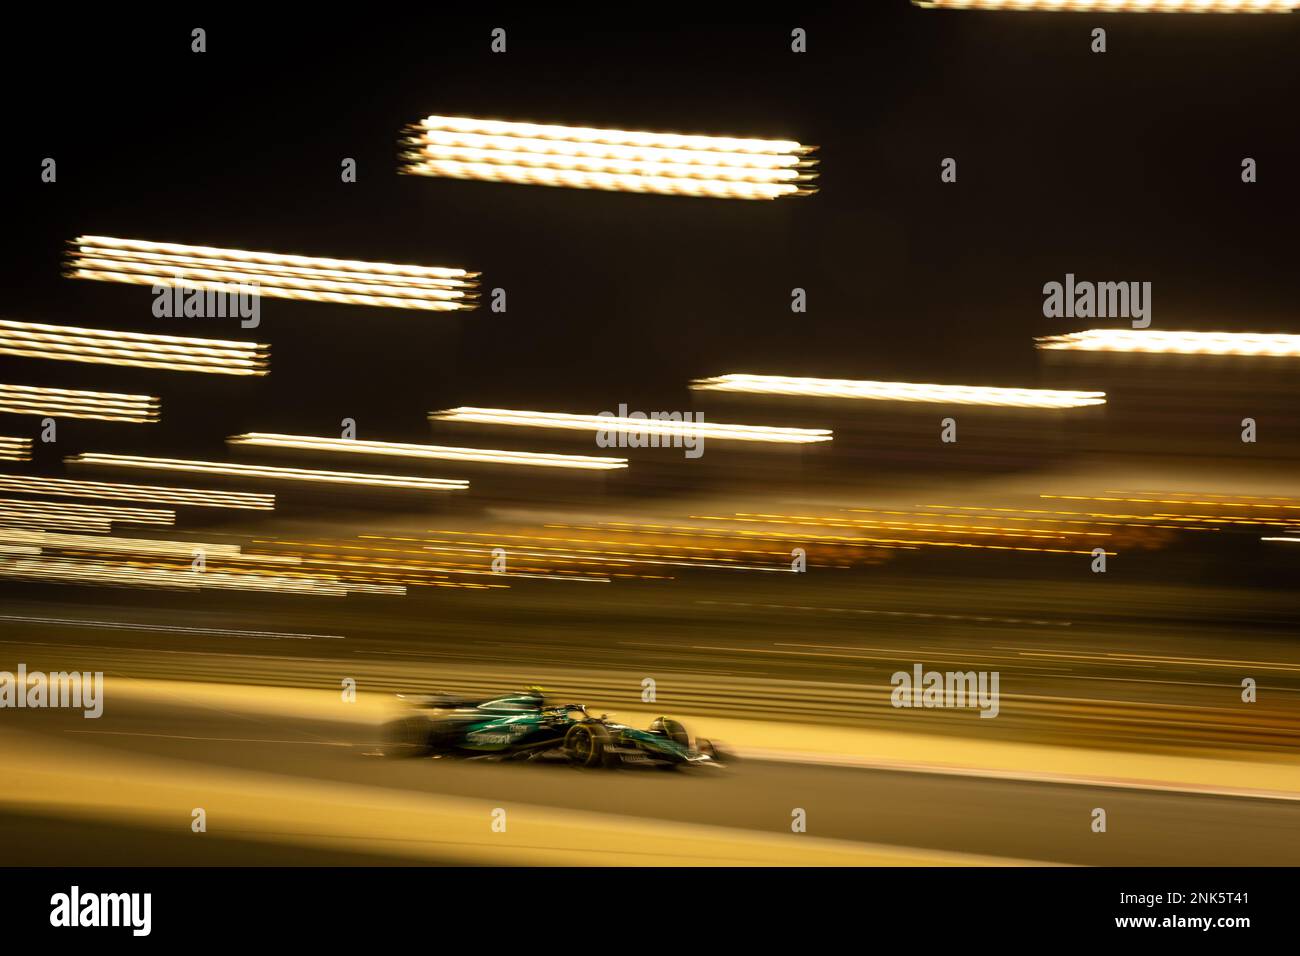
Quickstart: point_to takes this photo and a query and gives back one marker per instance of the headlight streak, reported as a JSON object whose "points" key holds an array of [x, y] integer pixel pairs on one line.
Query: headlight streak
{"points": [[436, 452], [361, 479], [1175, 343], [67, 403], [107, 347], [114, 491], [272, 275], [608, 159], [639, 426], [899, 391]]}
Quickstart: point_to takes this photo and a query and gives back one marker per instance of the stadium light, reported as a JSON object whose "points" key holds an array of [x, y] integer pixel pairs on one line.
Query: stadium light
{"points": [[639, 426], [899, 391], [264, 471], [67, 403], [272, 275], [1175, 343], [438, 452], [108, 347], [608, 159], [1116, 6]]}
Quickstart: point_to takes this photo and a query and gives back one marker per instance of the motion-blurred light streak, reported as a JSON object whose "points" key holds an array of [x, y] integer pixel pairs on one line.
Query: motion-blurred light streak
{"points": [[899, 391], [608, 159], [91, 571], [1018, 514], [54, 522], [162, 516], [276, 473], [115, 491], [633, 426], [1116, 6], [1164, 501], [117, 544], [68, 403], [170, 628], [929, 527], [1174, 343], [837, 539], [47, 515], [273, 275], [438, 452], [108, 347], [15, 449]]}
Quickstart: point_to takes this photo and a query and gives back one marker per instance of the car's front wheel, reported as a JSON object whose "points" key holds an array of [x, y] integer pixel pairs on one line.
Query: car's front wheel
{"points": [[715, 750], [585, 744]]}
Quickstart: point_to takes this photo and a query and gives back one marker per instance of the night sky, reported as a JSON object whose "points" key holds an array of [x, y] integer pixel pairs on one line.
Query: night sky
{"points": [[1123, 166]]}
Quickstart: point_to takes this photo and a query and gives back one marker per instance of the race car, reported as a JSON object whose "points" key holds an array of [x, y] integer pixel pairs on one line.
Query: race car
{"points": [[525, 727]]}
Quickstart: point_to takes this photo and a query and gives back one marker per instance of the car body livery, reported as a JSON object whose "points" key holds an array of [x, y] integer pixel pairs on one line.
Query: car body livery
{"points": [[524, 726]]}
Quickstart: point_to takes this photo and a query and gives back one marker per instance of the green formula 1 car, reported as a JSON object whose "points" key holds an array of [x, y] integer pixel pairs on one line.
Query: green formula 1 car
{"points": [[525, 727]]}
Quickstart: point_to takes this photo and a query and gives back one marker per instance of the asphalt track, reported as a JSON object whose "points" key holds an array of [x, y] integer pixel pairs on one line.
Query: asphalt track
{"points": [[1093, 666], [1147, 667], [908, 811]]}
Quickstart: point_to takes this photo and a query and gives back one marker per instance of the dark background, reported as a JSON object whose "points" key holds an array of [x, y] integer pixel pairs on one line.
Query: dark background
{"points": [[1122, 166]]}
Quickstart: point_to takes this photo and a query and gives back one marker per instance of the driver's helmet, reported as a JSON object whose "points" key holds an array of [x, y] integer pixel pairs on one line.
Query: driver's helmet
{"points": [[672, 729]]}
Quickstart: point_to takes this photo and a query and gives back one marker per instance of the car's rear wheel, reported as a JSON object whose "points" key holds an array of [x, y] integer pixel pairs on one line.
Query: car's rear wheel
{"points": [[585, 744], [407, 737]]}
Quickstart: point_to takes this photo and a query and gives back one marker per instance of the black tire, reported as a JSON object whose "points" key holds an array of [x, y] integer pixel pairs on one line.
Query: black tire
{"points": [[584, 744]]}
